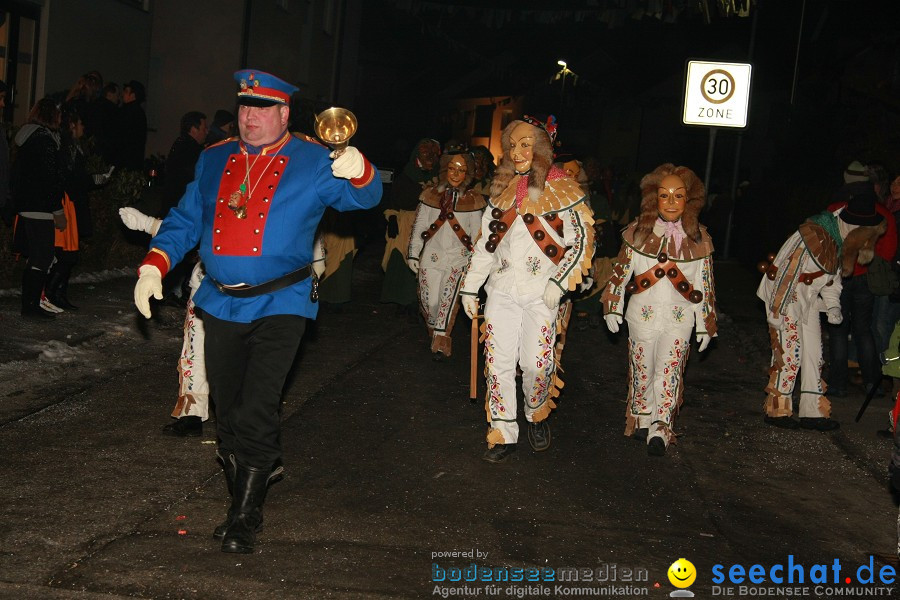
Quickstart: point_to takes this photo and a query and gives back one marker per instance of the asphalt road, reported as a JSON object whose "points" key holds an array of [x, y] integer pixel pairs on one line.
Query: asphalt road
{"points": [[385, 492]]}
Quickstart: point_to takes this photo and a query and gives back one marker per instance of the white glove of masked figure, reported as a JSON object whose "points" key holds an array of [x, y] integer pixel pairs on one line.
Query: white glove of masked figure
{"points": [[834, 315], [470, 305], [413, 264], [613, 322], [135, 220], [552, 295], [703, 340], [149, 283], [349, 165]]}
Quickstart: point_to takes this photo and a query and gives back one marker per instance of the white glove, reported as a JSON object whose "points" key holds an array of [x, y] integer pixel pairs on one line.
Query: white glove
{"points": [[350, 164], [413, 264], [834, 315], [135, 220], [470, 305], [586, 284], [703, 340], [149, 283], [613, 322], [552, 295]]}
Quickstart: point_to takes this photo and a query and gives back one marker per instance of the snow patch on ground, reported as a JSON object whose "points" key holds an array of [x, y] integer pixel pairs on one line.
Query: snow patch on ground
{"points": [[97, 277]]}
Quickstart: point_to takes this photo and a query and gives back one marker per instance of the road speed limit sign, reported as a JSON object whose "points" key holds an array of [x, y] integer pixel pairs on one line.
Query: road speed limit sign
{"points": [[716, 94]]}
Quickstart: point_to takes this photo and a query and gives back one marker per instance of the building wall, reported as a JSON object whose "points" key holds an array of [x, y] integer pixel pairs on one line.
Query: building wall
{"points": [[110, 36], [196, 46]]}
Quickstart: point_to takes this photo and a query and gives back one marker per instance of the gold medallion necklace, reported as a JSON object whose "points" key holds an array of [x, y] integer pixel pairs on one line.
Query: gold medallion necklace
{"points": [[240, 198]]}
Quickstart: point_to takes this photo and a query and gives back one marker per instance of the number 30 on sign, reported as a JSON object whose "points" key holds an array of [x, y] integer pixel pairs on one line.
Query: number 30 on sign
{"points": [[716, 94]]}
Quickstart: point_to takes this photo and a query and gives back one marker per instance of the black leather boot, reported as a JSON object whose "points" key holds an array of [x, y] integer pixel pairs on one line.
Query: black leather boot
{"points": [[250, 485], [32, 287], [229, 466], [539, 435]]}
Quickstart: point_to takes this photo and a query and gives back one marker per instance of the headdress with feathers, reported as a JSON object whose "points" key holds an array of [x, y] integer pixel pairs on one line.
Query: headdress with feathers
{"points": [[696, 195]]}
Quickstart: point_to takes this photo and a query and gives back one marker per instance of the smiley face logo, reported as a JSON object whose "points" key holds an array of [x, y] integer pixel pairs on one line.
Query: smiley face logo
{"points": [[682, 573]]}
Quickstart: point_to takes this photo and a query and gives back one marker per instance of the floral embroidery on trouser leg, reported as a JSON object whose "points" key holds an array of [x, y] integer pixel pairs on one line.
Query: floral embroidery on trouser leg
{"points": [[446, 299], [193, 393], [537, 359], [641, 374], [502, 317], [813, 402]]}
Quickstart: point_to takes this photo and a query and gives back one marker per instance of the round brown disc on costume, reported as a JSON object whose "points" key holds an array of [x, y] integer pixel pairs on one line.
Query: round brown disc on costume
{"points": [[490, 246], [493, 225], [663, 257], [631, 287], [551, 217], [494, 238], [770, 257], [501, 226], [550, 251], [449, 215], [673, 273], [762, 266], [696, 297], [496, 213], [466, 240], [659, 272], [538, 235], [683, 286], [432, 227], [456, 227], [528, 218], [645, 283]]}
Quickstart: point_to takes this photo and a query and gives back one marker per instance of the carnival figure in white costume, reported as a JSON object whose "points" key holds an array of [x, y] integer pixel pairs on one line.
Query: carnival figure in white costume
{"points": [[447, 225], [537, 246], [668, 254], [801, 281]]}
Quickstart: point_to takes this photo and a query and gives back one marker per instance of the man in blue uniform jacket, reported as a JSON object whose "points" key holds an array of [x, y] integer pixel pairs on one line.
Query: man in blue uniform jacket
{"points": [[253, 207]]}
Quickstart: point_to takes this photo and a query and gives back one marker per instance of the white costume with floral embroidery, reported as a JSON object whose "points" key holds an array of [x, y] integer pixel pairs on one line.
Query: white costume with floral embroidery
{"points": [[193, 387], [792, 311], [660, 321], [519, 328], [444, 256]]}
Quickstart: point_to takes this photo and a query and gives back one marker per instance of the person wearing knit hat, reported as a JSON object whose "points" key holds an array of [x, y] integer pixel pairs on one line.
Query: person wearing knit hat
{"points": [[858, 207], [448, 221], [668, 254], [855, 171], [537, 246]]}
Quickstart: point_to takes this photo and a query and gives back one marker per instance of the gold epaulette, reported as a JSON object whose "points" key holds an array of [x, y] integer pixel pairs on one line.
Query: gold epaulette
{"points": [[233, 138]]}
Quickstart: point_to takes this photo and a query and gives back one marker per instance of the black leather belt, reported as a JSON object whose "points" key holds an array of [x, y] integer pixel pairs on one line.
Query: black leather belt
{"points": [[273, 285]]}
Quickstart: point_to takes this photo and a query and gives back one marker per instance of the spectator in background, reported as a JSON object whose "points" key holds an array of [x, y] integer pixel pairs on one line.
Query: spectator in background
{"points": [[183, 157], [883, 274], [132, 135], [222, 127], [106, 115], [38, 189], [6, 208], [858, 204]]}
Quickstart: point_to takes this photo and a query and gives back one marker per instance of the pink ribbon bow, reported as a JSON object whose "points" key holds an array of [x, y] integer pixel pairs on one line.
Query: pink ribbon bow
{"points": [[674, 230]]}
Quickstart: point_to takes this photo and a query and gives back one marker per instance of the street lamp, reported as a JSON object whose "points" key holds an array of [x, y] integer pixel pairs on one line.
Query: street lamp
{"points": [[565, 70]]}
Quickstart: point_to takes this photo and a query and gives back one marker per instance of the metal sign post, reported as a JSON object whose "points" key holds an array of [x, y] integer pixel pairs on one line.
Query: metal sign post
{"points": [[717, 95]]}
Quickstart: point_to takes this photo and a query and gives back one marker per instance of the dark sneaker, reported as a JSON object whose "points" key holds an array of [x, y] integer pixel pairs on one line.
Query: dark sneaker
{"points": [[783, 422], [539, 436], [656, 447], [819, 423], [190, 426], [640, 434], [499, 453]]}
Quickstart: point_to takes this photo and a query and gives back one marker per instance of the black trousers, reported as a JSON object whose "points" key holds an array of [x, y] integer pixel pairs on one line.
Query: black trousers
{"points": [[246, 365]]}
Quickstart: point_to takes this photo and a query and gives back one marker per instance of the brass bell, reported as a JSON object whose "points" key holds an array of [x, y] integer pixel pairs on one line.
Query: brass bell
{"points": [[335, 126]]}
